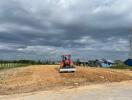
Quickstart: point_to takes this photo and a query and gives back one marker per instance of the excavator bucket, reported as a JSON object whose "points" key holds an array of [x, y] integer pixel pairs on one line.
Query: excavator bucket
{"points": [[67, 70]]}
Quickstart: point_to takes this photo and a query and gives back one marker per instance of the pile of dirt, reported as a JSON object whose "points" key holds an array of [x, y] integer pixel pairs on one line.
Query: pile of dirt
{"points": [[36, 78]]}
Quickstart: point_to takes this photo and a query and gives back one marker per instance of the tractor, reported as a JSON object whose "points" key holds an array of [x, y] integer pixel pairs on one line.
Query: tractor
{"points": [[66, 64]]}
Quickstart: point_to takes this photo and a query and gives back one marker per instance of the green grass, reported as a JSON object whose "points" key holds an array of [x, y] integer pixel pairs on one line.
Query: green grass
{"points": [[122, 66]]}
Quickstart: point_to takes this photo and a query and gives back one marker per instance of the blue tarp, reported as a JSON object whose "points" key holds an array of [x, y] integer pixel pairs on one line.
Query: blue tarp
{"points": [[128, 62], [105, 65]]}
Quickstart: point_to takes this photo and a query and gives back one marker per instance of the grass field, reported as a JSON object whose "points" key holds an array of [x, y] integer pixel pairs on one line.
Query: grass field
{"points": [[12, 65]]}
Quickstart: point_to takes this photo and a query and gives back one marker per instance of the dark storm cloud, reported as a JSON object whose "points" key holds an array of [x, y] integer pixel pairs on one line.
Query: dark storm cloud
{"points": [[61, 25]]}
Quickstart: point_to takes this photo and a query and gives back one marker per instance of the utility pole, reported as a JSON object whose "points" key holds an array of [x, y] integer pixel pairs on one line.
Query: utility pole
{"points": [[130, 48]]}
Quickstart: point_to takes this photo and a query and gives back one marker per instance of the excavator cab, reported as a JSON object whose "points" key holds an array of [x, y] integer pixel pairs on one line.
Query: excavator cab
{"points": [[66, 64]]}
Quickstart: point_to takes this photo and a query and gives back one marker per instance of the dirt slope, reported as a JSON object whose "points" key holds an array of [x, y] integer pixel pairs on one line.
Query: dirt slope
{"points": [[44, 77]]}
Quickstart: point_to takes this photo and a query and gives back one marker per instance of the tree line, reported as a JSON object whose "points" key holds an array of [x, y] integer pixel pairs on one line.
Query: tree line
{"points": [[27, 61]]}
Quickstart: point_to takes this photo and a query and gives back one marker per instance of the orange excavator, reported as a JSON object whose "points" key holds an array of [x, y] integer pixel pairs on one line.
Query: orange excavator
{"points": [[66, 64]]}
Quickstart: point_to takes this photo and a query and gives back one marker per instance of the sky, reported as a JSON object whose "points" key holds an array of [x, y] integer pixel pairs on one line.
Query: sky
{"points": [[86, 29]]}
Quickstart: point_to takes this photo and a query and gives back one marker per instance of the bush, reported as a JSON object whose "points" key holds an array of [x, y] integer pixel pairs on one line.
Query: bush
{"points": [[121, 66]]}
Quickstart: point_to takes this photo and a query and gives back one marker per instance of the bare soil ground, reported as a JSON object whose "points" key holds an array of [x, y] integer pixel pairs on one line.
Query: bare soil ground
{"points": [[47, 77]]}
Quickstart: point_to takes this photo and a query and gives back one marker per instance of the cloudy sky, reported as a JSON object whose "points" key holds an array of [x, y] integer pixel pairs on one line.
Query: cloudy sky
{"points": [[88, 29]]}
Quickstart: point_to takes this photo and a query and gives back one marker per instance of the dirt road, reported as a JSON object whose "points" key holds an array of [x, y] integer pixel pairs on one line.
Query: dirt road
{"points": [[112, 91]]}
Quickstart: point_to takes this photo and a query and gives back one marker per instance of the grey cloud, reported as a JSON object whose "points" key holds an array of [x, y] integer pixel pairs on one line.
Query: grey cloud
{"points": [[62, 25]]}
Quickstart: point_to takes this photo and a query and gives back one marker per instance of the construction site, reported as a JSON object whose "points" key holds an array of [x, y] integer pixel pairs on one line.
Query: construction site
{"points": [[65, 50], [27, 77], [46, 77]]}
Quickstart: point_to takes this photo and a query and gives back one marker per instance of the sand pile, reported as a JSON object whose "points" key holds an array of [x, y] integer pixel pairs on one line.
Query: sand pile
{"points": [[45, 77]]}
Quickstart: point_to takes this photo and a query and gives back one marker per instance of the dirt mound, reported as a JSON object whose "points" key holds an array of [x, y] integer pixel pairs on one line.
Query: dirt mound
{"points": [[34, 78]]}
